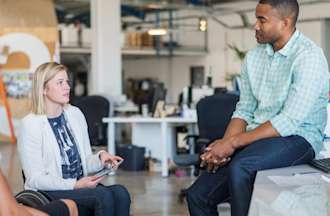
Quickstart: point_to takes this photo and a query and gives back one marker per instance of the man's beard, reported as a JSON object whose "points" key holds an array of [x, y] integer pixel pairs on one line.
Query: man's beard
{"points": [[261, 39]]}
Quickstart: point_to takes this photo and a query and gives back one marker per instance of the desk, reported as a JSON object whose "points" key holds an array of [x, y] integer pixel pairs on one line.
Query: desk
{"points": [[158, 132], [307, 197]]}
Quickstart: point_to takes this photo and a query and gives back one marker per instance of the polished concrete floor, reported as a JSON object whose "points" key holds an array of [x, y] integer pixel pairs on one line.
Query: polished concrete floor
{"points": [[152, 195]]}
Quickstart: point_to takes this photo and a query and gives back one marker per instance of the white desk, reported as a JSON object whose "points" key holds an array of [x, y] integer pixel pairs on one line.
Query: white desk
{"points": [[141, 125], [308, 194]]}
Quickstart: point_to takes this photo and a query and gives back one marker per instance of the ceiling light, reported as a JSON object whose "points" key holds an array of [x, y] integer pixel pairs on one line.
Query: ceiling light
{"points": [[157, 31], [154, 6], [202, 24]]}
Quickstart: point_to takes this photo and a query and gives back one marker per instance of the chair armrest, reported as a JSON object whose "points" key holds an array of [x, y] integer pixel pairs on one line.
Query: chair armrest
{"points": [[202, 143], [191, 136]]}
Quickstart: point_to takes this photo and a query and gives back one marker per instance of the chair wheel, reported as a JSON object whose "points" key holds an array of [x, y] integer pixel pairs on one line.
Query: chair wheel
{"points": [[32, 198]]}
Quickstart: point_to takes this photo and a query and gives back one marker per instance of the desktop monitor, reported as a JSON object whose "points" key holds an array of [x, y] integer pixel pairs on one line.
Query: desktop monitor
{"points": [[159, 93]]}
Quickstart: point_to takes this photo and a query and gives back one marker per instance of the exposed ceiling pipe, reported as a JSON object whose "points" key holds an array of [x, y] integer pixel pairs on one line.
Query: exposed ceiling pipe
{"points": [[164, 19], [250, 26], [218, 10], [215, 8]]}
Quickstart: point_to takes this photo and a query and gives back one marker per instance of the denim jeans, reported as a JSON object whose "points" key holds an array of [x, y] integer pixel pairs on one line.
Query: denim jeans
{"points": [[234, 181], [111, 200]]}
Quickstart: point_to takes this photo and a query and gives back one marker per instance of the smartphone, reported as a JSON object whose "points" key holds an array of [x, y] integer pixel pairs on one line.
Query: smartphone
{"points": [[108, 168], [103, 172]]}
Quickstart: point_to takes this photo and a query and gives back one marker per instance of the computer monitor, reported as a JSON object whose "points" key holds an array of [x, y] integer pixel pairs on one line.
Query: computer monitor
{"points": [[199, 93], [159, 93]]}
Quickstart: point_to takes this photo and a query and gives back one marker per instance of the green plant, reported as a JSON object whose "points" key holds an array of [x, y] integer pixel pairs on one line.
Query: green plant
{"points": [[239, 53], [229, 77]]}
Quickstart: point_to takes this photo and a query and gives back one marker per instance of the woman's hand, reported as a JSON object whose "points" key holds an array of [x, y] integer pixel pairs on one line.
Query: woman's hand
{"points": [[88, 182], [105, 157]]}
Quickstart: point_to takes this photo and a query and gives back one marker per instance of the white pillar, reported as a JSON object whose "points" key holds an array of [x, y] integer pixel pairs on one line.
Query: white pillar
{"points": [[106, 74]]}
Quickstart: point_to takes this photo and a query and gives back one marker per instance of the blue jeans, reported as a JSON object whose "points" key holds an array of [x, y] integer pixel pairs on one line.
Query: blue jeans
{"points": [[111, 200], [234, 181]]}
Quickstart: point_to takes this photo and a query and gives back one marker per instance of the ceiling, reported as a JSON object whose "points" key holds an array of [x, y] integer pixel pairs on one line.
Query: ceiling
{"points": [[223, 10]]}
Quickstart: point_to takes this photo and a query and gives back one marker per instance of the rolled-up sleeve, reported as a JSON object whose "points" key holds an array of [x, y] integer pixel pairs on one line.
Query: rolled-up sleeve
{"points": [[247, 102], [310, 71]]}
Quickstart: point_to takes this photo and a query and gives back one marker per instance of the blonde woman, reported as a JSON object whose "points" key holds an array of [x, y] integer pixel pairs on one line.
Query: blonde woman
{"points": [[55, 151]]}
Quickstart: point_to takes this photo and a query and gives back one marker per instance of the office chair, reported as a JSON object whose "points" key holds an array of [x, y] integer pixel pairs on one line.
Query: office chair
{"points": [[213, 116], [32, 198], [95, 108], [186, 159]]}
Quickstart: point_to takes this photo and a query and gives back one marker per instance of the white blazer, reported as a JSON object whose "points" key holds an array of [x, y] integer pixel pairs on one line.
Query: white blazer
{"points": [[40, 154]]}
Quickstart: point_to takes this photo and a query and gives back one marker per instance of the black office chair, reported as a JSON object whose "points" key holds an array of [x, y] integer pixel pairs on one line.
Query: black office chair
{"points": [[213, 116], [95, 108], [186, 159], [33, 199]]}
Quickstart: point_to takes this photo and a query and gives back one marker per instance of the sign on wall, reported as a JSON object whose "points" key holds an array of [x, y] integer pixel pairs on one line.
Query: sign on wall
{"points": [[32, 37]]}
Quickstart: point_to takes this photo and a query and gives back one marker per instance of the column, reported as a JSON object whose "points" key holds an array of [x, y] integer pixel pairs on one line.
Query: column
{"points": [[106, 74]]}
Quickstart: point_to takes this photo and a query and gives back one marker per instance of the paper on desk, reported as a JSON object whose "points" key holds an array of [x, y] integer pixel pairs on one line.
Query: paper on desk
{"points": [[289, 203], [296, 180], [307, 200]]}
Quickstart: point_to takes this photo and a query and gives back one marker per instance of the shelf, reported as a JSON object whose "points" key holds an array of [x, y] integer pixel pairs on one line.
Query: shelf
{"points": [[139, 51], [75, 50], [162, 52]]}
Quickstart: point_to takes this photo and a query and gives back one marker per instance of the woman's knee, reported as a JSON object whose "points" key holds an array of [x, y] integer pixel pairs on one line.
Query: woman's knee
{"points": [[120, 192], [72, 206]]}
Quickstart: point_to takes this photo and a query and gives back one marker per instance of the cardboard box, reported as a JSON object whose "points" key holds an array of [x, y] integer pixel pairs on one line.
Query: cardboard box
{"points": [[69, 36], [86, 37]]}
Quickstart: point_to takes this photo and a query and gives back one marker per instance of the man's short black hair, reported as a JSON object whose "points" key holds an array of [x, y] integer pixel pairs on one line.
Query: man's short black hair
{"points": [[285, 8]]}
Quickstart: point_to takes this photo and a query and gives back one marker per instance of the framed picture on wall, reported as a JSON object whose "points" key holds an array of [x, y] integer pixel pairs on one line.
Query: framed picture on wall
{"points": [[197, 76]]}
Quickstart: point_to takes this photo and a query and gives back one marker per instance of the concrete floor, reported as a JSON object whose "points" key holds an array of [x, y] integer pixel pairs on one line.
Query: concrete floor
{"points": [[152, 195]]}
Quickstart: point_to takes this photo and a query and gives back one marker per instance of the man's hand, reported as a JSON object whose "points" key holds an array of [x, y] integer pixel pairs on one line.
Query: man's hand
{"points": [[105, 157], [219, 151], [212, 167]]}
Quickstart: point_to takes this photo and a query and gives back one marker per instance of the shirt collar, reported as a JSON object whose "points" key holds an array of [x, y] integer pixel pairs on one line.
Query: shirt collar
{"points": [[269, 49], [286, 50]]}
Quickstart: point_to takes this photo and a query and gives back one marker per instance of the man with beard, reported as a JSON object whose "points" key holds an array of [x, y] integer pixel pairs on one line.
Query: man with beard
{"points": [[279, 119]]}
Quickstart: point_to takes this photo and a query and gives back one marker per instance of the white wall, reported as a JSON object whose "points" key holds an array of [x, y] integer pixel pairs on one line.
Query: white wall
{"points": [[174, 72], [325, 38]]}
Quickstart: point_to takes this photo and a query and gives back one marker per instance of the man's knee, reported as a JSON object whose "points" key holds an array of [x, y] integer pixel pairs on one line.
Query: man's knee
{"points": [[239, 171], [72, 206]]}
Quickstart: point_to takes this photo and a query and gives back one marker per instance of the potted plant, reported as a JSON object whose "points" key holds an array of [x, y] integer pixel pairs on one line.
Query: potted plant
{"points": [[240, 54]]}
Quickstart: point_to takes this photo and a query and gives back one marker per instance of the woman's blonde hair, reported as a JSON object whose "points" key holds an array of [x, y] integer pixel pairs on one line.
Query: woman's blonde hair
{"points": [[41, 76]]}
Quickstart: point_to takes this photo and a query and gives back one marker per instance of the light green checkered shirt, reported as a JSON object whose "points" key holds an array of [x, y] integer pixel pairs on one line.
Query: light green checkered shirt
{"points": [[289, 88]]}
